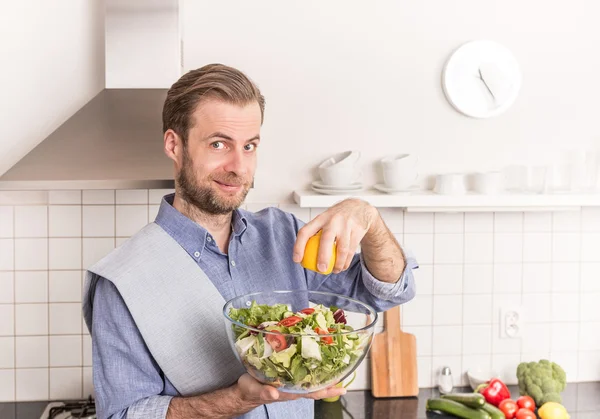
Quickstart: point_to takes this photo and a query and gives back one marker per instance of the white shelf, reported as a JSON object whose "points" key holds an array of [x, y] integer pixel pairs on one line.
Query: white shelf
{"points": [[427, 201]]}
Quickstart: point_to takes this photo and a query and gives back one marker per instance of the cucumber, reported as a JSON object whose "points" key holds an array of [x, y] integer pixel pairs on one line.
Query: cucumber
{"points": [[494, 412], [473, 400], [454, 408]]}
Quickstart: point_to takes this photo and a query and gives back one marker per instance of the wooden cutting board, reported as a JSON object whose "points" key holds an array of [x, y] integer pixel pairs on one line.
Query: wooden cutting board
{"points": [[394, 360]]}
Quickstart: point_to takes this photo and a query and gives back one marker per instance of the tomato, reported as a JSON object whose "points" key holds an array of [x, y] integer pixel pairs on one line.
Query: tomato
{"points": [[328, 340], [525, 414], [276, 340], [307, 311], [290, 321], [526, 402], [509, 408]]}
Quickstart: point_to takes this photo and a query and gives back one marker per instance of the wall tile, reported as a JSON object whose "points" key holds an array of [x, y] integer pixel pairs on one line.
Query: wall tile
{"points": [[153, 212], [589, 366], [477, 339], [23, 197], [64, 220], [102, 197], [64, 286], [120, 240], [508, 277], [7, 385], [589, 338], [447, 340], [537, 277], [537, 307], [64, 197], [536, 337], [131, 219], [65, 383], [303, 214], [156, 195], [88, 384], [506, 367], [537, 247], [96, 249], [565, 307], [478, 278], [424, 279], [566, 247], [424, 371], [423, 334], [418, 311], [65, 318], [447, 310], [7, 287], [7, 319], [393, 218], [131, 196], [31, 221], [477, 309], [65, 253], [569, 362], [98, 221], [454, 362], [31, 254], [479, 222], [7, 254], [87, 351], [7, 352], [590, 307], [31, 286], [474, 362], [447, 279], [479, 248], [421, 245], [448, 248], [6, 222], [590, 243], [565, 277], [590, 277], [565, 337], [31, 351], [508, 222], [590, 219], [65, 351], [418, 222], [537, 222], [566, 221], [445, 222], [508, 247], [32, 384], [31, 319]]}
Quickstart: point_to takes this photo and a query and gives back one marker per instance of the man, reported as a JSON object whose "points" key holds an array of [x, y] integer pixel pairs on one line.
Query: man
{"points": [[154, 305]]}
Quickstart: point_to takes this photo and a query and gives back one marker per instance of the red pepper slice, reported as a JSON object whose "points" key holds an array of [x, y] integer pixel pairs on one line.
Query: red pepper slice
{"points": [[307, 311]]}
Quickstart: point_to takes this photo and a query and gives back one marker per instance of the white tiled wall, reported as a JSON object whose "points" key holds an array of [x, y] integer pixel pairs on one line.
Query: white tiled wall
{"points": [[471, 265]]}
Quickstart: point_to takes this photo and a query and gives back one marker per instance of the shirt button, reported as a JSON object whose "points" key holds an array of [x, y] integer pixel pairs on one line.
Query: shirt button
{"points": [[208, 239], [197, 254], [233, 263]]}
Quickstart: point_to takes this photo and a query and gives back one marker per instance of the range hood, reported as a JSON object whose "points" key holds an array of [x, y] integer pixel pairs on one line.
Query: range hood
{"points": [[113, 142]]}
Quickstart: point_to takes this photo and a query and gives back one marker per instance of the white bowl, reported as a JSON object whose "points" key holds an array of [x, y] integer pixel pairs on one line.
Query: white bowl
{"points": [[479, 376]]}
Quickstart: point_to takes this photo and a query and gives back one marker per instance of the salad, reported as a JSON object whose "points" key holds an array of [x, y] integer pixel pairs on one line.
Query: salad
{"points": [[305, 360]]}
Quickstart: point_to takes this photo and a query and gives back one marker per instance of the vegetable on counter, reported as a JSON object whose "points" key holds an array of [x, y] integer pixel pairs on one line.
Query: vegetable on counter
{"points": [[552, 410], [543, 381], [494, 391], [523, 413], [473, 400], [456, 409], [526, 402], [493, 411], [509, 408]]}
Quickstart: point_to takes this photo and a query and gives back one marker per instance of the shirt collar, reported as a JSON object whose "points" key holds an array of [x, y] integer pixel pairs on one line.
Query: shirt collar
{"points": [[189, 234]]}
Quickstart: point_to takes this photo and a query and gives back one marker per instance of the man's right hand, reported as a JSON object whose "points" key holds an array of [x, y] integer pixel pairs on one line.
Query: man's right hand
{"points": [[254, 392]]}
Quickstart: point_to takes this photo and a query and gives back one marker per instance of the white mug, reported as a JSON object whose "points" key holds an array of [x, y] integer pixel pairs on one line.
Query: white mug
{"points": [[339, 176], [450, 184], [345, 159], [400, 171], [488, 183]]}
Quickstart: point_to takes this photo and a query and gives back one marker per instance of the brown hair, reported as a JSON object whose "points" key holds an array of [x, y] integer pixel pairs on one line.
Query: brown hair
{"points": [[214, 81]]}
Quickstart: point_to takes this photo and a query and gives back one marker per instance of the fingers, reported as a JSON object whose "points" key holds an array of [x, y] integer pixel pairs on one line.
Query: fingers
{"points": [[325, 248], [304, 234], [354, 241], [344, 239], [326, 393]]}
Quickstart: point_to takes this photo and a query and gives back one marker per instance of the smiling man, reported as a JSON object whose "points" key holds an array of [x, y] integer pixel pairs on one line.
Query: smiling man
{"points": [[154, 305]]}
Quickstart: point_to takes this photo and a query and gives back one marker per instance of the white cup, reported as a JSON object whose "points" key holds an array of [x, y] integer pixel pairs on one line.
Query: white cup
{"points": [[345, 159], [339, 176], [488, 183], [450, 184], [400, 171]]}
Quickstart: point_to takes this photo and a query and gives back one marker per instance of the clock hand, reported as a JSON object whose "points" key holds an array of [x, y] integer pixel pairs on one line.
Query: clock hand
{"points": [[487, 87]]}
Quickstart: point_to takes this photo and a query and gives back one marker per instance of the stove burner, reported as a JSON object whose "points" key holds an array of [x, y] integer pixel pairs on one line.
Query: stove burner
{"points": [[76, 408]]}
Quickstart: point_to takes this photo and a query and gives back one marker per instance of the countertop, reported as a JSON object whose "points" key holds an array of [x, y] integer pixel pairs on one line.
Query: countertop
{"points": [[582, 400]]}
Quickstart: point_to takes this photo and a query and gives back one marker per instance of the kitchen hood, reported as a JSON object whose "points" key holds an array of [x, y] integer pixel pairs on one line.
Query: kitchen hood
{"points": [[114, 142]]}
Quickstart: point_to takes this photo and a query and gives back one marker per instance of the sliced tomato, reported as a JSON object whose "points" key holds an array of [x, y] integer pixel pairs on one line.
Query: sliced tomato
{"points": [[328, 340], [307, 311], [276, 340], [331, 330], [290, 321]]}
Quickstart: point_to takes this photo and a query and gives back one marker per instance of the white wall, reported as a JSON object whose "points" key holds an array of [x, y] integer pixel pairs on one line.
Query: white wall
{"points": [[341, 75], [52, 64], [142, 43]]}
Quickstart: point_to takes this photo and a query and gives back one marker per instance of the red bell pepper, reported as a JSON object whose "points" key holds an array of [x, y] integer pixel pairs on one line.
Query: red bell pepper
{"points": [[494, 391]]}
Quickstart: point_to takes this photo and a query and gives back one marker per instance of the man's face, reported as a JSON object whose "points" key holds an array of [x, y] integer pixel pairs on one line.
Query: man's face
{"points": [[217, 167]]}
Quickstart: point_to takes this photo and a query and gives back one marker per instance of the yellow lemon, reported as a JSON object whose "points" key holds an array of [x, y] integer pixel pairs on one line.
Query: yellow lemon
{"points": [[552, 410], [311, 252]]}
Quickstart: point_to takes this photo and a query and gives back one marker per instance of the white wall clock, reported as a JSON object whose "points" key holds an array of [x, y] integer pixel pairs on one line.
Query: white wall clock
{"points": [[481, 79]]}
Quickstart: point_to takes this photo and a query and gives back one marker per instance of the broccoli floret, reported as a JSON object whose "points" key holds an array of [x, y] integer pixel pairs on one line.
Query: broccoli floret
{"points": [[543, 381]]}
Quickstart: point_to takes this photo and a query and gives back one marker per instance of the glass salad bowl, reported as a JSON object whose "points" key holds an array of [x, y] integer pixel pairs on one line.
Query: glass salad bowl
{"points": [[299, 341]]}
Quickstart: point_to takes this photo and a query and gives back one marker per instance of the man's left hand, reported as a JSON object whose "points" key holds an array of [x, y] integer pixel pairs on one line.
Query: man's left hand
{"points": [[346, 223]]}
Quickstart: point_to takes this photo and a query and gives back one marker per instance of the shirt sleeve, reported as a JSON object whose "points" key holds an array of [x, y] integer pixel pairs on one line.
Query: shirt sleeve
{"points": [[127, 381]]}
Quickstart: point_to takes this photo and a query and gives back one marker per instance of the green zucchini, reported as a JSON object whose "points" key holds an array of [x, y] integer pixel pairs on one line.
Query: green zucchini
{"points": [[454, 408], [473, 400], [494, 412]]}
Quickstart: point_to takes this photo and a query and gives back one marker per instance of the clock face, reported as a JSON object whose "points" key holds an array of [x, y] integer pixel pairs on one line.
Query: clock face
{"points": [[481, 79]]}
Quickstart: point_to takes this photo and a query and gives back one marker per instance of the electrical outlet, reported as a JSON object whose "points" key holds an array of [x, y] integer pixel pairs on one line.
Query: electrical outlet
{"points": [[511, 322]]}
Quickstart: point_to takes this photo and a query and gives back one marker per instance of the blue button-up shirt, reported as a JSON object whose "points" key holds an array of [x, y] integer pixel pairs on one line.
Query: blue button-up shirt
{"points": [[127, 380]]}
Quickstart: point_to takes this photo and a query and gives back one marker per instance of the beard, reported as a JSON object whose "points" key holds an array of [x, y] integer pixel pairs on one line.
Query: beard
{"points": [[206, 198]]}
